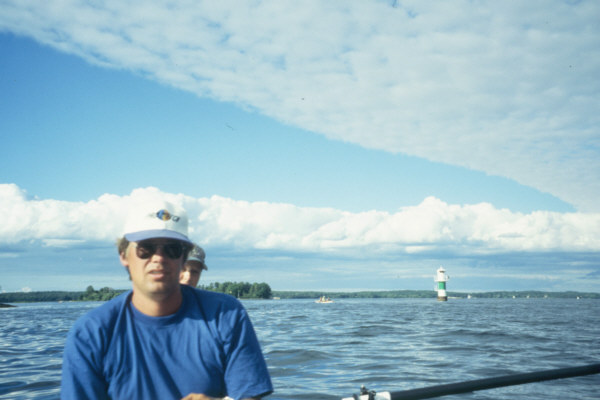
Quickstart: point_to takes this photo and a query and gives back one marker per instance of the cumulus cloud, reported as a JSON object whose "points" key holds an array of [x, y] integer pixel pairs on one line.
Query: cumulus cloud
{"points": [[431, 226], [505, 88]]}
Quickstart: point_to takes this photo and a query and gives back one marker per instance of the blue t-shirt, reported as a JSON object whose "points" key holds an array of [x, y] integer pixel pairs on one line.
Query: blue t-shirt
{"points": [[209, 346]]}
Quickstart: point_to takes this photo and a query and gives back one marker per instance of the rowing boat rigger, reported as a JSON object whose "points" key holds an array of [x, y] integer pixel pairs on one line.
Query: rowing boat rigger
{"points": [[479, 384]]}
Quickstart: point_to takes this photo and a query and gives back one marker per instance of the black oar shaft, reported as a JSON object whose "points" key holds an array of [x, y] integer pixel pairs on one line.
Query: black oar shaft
{"points": [[491, 383]]}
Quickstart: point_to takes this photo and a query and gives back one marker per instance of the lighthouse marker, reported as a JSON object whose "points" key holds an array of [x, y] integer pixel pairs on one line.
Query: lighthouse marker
{"points": [[441, 279]]}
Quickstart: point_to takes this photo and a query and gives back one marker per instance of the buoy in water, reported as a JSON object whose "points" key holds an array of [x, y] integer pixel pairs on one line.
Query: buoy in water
{"points": [[441, 278]]}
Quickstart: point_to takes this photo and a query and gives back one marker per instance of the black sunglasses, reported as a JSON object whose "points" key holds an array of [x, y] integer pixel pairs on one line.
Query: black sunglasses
{"points": [[173, 250]]}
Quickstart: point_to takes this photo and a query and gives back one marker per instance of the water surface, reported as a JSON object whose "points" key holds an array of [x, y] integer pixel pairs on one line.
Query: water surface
{"points": [[326, 351]]}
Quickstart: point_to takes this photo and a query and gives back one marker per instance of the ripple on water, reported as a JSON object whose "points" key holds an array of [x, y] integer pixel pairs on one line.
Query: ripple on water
{"points": [[317, 351]]}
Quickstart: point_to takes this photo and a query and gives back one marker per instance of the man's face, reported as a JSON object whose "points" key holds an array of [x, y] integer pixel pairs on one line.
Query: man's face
{"points": [[154, 266], [190, 273]]}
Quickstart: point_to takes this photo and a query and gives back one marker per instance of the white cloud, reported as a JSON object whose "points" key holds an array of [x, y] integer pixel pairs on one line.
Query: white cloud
{"points": [[66, 243], [221, 222], [506, 88]]}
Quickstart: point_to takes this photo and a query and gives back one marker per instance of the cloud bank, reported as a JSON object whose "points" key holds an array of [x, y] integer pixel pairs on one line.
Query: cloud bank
{"points": [[432, 226], [505, 88], [48, 244]]}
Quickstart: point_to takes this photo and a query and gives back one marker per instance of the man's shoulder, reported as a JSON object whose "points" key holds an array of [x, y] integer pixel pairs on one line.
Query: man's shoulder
{"points": [[210, 295], [213, 301], [104, 315]]}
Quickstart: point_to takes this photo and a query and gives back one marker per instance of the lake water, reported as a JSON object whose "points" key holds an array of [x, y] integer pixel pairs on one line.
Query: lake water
{"points": [[326, 351]]}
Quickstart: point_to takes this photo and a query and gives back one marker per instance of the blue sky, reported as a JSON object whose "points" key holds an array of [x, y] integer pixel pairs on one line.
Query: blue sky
{"points": [[335, 148]]}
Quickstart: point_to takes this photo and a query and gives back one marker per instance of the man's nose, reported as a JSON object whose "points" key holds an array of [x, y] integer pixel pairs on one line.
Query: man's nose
{"points": [[160, 251]]}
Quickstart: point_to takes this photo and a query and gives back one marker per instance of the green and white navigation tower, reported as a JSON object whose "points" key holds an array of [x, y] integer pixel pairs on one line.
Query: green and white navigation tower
{"points": [[441, 279]]}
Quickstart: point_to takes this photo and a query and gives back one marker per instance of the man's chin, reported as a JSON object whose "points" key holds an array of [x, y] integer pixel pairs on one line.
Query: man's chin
{"points": [[163, 287]]}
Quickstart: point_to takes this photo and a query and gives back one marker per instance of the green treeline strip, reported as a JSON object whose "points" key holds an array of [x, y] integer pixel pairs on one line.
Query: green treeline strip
{"points": [[391, 294], [30, 297], [426, 294], [90, 294], [244, 290], [103, 294], [241, 290]]}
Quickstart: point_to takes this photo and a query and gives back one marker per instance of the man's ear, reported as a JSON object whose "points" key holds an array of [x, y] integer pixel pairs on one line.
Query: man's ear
{"points": [[123, 260]]}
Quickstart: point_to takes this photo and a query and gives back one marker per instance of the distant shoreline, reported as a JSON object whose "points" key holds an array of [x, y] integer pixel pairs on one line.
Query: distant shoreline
{"points": [[426, 294], [55, 296]]}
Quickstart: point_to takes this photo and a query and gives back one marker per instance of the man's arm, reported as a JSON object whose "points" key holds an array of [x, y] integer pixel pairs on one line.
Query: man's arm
{"points": [[80, 378], [246, 373]]}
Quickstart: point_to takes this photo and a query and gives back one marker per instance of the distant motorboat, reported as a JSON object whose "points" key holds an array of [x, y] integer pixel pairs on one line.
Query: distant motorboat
{"points": [[323, 299]]}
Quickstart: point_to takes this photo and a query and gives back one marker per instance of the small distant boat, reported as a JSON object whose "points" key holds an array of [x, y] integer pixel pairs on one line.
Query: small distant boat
{"points": [[323, 299]]}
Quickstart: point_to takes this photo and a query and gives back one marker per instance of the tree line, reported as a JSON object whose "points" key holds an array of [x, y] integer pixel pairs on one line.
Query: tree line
{"points": [[90, 294], [391, 294], [103, 294], [241, 290], [426, 294], [245, 290]]}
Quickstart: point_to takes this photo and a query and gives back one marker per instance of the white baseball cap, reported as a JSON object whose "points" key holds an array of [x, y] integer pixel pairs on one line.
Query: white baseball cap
{"points": [[157, 219]]}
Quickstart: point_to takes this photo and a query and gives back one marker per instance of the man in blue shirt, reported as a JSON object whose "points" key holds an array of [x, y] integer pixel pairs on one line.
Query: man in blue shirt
{"points": [[163, 340]]}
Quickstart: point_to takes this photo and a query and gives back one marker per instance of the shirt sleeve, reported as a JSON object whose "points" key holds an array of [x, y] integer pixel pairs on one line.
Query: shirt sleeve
{"points": [[82, 376], [246, 373]]}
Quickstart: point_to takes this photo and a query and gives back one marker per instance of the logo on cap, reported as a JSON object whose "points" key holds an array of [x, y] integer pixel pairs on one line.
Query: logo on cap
{"points": [[164, 215]]}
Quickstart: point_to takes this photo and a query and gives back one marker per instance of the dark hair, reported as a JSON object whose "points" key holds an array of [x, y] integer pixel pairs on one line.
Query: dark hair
{"points": [[122, 245]]}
